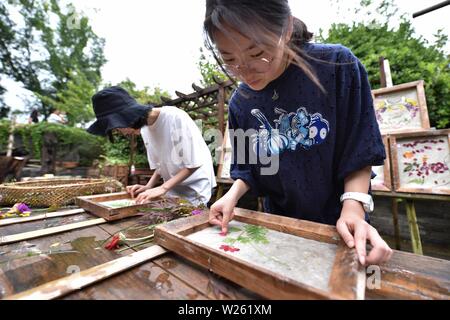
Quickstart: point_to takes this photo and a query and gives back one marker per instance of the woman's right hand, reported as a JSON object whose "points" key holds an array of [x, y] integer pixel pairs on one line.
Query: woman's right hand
{"points": [[135, 190], [222, 212]]}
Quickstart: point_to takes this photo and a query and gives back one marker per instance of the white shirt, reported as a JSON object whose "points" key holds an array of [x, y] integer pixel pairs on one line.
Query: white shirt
{"points": [[55, 118], [174, 142]]}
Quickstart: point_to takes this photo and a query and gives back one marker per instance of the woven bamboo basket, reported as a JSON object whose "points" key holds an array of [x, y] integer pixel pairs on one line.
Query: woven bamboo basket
{"points": [[54, 192]]}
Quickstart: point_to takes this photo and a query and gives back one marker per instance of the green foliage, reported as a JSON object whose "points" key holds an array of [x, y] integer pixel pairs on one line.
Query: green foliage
{"points": [[118, 152], [44, 45], [89, 147], [411, 58], [75, 99], [208, 69], [145, 95]]}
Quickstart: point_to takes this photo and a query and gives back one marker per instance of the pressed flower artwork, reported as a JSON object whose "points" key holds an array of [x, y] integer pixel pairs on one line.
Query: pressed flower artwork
{"points": [[401, 108], [398, 111], [303, 260], [424, 162]]}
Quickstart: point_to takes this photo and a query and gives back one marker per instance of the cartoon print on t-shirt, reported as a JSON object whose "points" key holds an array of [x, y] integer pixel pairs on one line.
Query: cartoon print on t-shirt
{"points": [[291, 129]]}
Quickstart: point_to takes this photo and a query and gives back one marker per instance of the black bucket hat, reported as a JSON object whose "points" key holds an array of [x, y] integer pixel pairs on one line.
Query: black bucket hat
{"points": [[115, 108]]}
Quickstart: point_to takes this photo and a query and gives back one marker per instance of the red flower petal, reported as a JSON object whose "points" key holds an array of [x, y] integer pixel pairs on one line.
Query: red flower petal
{"points": [[113, 244]]}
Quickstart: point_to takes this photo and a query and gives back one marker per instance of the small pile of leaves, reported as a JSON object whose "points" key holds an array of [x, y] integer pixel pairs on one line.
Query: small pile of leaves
{"points": [[157, 212]]}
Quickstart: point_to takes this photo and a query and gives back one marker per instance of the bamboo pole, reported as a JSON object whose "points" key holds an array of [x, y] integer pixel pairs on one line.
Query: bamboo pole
{"points": [[413, 227]]}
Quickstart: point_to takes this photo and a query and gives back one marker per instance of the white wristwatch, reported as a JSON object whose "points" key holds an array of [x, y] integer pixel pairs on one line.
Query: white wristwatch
{"points": [[365, 199]]}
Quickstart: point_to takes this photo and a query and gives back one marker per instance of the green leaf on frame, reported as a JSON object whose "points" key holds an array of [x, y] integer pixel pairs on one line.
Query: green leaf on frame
{"points": [[408, 167], [418, 181]]}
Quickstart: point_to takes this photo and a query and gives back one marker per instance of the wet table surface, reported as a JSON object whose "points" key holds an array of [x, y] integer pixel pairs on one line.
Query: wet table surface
{"points": [[27, 264]]}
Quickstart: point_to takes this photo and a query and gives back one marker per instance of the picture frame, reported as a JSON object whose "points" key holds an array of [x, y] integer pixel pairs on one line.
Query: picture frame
{"points": [[383, 179], [97, 205], [401, 108], [345, 280], [421, 161]]}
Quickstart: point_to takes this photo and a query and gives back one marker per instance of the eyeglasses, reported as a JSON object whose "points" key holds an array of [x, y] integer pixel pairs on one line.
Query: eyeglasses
{"points": [[257, 65]]}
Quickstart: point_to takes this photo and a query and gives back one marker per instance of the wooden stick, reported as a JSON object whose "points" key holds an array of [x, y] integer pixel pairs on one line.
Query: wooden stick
{"points": [[44, 232], [77, 281], [10, 221], [348, 278]]}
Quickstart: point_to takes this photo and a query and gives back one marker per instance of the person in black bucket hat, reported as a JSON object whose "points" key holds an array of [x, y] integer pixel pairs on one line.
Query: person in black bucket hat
{"points": [[175, 146], [114, 108]]}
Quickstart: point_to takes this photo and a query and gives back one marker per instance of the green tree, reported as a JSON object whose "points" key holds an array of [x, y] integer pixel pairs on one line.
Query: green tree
{"points": [[209, 69], [45, 45], [145, 95], [75, 99], [411, 57]]}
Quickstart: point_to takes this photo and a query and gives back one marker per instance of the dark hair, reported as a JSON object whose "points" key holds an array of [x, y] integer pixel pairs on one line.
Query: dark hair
{"points": [[264, 22], [34, 116], [141, 122]]}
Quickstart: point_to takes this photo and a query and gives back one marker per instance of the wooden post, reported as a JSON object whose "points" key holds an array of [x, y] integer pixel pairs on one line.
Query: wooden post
{"points": [[48, 153], [131, 165], [133, 144], [395, 202], [382, 73], [385, 73], [9, 149], [413, 227], [219, 193], [221, 106]]}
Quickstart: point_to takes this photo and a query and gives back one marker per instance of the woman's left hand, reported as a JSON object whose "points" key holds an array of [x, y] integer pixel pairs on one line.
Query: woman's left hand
{"points": [[355, 231], [150, 194]]}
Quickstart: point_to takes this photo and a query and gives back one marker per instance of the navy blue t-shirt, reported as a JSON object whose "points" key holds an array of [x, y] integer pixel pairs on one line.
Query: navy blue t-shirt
{"points": [[319, 138]]}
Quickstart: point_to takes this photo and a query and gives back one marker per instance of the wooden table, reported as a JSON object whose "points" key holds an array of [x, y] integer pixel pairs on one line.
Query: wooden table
{"points": [[170, 276]]}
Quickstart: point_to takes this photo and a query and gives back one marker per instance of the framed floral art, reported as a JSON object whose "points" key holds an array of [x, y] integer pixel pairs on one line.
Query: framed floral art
{"points": [[421, 162], [401, 108]]}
